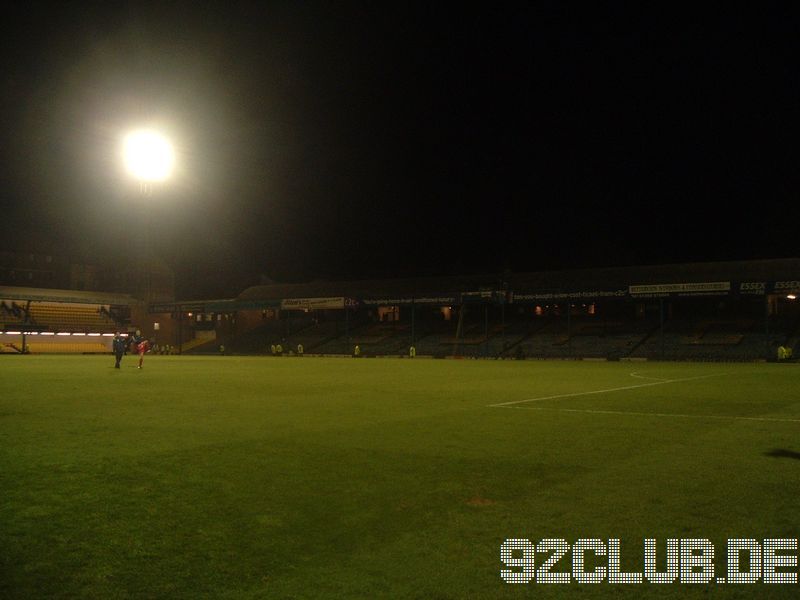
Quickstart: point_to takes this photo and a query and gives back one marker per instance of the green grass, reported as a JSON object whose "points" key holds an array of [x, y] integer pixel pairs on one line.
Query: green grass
{"points": [[229, 477]]}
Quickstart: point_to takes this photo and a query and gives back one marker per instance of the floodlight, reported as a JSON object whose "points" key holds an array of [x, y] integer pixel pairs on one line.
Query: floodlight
{"points": [[148, 155]]}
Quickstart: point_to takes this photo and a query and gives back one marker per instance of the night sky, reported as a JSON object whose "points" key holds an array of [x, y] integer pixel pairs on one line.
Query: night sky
{"points": [[338, 140]]}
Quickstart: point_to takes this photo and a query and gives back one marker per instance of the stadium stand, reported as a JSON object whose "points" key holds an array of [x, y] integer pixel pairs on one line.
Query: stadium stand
{"points": [[688, 339], [393, 340], [709, 311], [11, 313], [59, 321], [316, 335], [82, 318]]}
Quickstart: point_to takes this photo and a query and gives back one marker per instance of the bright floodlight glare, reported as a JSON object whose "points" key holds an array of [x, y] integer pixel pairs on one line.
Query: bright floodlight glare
{"points": [[148, 156]]}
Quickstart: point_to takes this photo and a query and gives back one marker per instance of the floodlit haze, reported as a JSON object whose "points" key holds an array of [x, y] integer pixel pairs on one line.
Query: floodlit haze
{"points": [[355, 139], [148, 155]]}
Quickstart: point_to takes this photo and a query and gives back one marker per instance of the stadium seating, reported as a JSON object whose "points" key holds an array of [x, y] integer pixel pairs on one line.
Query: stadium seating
{"points": [[57, 327], [682, 339], [11, 313], [61, 347], [704, 340], [72, 317]]}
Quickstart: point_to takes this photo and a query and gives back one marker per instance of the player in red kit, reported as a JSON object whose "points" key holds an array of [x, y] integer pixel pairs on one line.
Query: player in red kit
{"points": [[141, 348]]}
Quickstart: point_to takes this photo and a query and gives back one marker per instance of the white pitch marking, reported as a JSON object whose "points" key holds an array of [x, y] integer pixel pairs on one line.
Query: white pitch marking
{"points": [[617, 389], [648, 414], [647, 377]]}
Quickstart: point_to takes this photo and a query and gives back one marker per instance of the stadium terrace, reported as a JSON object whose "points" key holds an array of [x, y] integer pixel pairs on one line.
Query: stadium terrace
{"points": [[738, 311]]}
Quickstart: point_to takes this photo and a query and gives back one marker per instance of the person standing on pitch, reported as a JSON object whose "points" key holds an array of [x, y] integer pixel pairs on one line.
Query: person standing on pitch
{"points": [[118, 345], [135, 338], [142, 347]]}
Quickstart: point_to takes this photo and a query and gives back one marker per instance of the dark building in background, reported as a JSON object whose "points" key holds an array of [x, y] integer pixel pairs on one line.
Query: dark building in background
{"points": [[34, 270], [149, 280]]}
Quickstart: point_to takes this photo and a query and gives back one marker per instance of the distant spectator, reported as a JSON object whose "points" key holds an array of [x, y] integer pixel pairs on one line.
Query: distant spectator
{"points": [[299, 349]]}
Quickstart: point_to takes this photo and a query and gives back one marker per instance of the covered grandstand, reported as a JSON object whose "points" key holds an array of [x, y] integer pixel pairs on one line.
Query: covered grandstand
{"points": [[38, 320], [739, 310]]}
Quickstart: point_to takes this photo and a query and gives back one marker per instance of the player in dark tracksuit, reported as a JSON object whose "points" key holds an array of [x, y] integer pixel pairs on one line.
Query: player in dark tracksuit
{"points": [[118, 345]]}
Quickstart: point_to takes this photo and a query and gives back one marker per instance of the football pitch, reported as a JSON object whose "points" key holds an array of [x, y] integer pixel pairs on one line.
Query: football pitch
{"points": [[239, 477]]}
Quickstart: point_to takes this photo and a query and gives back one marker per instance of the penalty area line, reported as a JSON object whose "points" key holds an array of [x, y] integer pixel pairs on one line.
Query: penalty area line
{"points": [[639, 376], [653, 414], [604, 391]]}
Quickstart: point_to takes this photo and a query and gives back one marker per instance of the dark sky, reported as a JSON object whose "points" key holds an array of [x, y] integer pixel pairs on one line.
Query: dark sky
{"points": [[377, 139]]}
